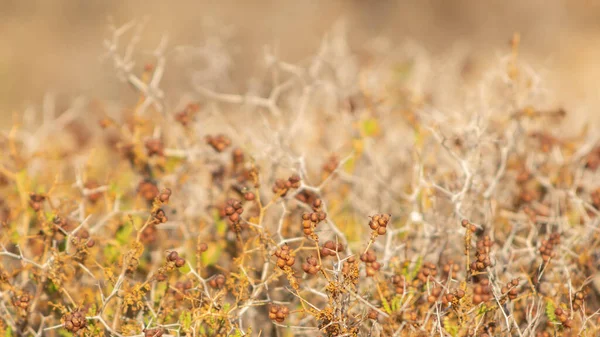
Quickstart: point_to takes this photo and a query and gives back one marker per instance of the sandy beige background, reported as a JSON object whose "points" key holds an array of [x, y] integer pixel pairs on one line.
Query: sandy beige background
{"points": [[54, 46]]}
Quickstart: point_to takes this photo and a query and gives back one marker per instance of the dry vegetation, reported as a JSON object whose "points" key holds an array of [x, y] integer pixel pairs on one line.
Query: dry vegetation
{"points": [[381, 192]]}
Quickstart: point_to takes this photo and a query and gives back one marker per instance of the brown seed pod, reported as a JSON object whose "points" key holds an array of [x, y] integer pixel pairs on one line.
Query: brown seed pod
{"points": [[278, 313], [179, 262], [154, 147], [173, 256], [331, 248], [217, 282], [282, 187], [371, 264], [284, 256], [153, 332], [147, 190], [22, 301], [311, 266], [164, 195], [237, 157], [219, 142], [160, 216], [378, 223], [75, 321]]}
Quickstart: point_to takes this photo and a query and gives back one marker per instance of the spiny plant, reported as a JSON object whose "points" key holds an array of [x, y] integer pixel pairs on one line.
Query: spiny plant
{"points": [[344, 198]]}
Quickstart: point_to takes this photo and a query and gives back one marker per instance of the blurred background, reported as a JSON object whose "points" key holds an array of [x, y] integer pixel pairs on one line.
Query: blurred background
{"points": [[54, 46]]}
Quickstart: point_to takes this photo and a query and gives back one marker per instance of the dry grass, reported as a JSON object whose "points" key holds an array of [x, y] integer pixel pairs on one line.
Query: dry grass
{"points": [[384, 191]]}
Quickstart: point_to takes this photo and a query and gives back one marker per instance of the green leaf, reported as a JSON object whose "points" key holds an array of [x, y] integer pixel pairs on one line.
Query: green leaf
{"points": [[483, 309], [111, 253], [124, 233], [220, 224], [370, 127], [396, 303], [386, 305], [172, 163], [211, 256], [113, 189], [52, 288], [185, 319], [413, 273], [550, 312], [64, 333], [49, 216], [8, 332], [451, 328]]}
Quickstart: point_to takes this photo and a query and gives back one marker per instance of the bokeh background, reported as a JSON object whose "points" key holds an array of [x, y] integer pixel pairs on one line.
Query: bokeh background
{"points": [[54, 46]]}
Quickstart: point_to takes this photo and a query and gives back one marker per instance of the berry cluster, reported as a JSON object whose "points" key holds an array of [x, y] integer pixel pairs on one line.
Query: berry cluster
{"points": [[370, 260], [563, 317], [453, 297], [285, 257], [331, 164], [434, 294], [429, 270], [36, 200], [348, 264], [155, 147], [450, 269], [312, 219], [306, 196], [237, 157], [578, 300], [177, 260], [75, 321], [482, 292], [22, 301], [181, 289], [400, 284], [278, 313], [281, 187], [311, 266], [217, 282], [159, 216], [547, 248], [379, 223], [83, 237], [185, 116], [233, 209], [147, 190], [482, 255], [510, 289], [165, 195], [219, 142], [331, 248]]}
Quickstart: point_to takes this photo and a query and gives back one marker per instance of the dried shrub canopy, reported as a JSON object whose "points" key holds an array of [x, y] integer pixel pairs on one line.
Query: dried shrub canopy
{"points": [[374, 196]]}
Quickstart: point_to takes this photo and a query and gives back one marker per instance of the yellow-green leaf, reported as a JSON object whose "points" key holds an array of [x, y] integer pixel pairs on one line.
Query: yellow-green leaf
{"points": [[370, 127]]}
